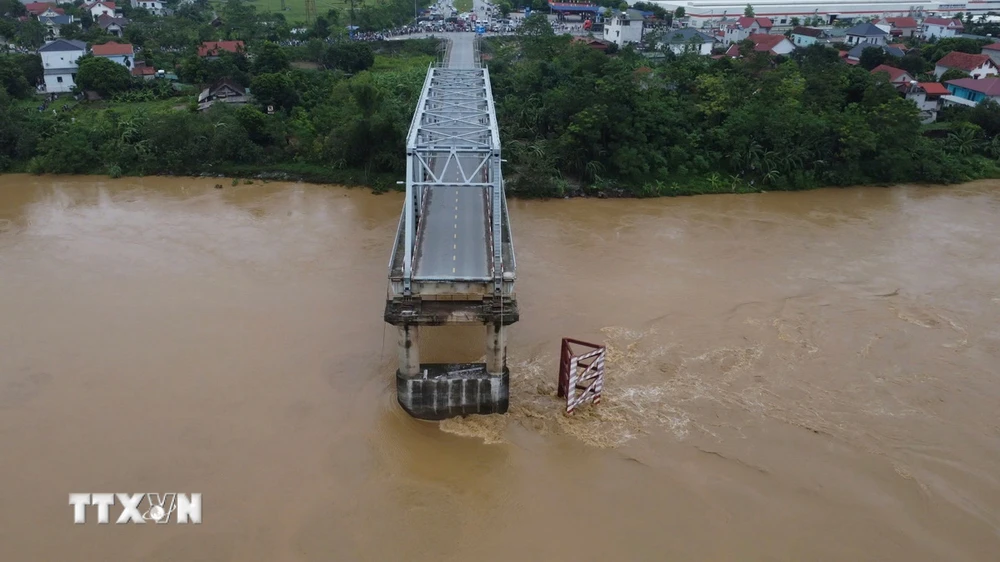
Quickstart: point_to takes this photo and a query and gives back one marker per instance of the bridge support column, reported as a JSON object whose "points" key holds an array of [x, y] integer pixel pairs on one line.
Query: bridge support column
{"points": [[409, 351], [496, 349]]}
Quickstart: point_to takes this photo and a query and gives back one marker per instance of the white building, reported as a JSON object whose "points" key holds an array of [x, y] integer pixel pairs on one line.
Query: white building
{"points": [[622, 30], [120, 53], [745, 27], [59, 65], [98, 9], [154, 6], [941, 28], [713, 13], [686, 40]]}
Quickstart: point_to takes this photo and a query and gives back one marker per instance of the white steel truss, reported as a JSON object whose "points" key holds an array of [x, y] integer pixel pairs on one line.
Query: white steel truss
{"points": [[454, 141]]}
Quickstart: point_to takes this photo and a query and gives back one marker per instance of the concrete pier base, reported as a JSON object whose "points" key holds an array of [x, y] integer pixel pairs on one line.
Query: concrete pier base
{"points": [[445, 390]]}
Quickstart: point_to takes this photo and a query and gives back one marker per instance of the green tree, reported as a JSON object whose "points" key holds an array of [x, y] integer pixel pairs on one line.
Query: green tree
{"points": [[914, 64], [872, 57], [12, 79], [952, 74], [30, 34], [12, 8], [680, 12], [273, 89], [270, 58], [748, 11], [349, 56], [321, 29], [102, 76]]}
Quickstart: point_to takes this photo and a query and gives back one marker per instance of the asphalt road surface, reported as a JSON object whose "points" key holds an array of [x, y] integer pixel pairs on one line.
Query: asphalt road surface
{"points": [[452, 242]]}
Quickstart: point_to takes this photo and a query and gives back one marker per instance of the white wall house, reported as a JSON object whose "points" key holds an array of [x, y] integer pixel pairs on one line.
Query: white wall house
{"points": [[686, 40], [59, 64], [120, 53], [155, 6], [941, 28], [744, 28], [98, 9], [621, 30], [977, 66], [866, 34]]}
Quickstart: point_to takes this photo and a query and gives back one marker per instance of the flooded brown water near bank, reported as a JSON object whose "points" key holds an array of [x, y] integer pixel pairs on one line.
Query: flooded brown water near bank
{"points": [[792, 376]]}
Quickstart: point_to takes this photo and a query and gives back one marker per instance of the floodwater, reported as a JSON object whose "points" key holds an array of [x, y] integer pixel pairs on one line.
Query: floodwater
{"points": [[792, 377]]}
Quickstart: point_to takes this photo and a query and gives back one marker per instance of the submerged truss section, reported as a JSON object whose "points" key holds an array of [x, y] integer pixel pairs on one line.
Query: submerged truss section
{"points": [[454, 141]]}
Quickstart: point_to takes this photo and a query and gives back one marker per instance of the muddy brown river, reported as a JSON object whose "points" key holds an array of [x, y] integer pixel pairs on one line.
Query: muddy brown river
{"points": [[792, 377]]}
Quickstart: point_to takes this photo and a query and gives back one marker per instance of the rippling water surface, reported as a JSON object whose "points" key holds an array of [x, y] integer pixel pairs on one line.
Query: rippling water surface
{"points": [[792, 376]]}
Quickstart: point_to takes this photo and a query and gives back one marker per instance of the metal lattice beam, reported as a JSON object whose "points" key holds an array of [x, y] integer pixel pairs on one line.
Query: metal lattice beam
{"points": [[454, 141]]}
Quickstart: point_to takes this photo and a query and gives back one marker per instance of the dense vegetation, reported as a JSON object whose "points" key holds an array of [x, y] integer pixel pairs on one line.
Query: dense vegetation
{"points": [[344, 119], [573, 118]]}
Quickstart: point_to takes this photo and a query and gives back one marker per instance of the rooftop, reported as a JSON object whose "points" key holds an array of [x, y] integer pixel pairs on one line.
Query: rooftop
{"points": [[63, 45], [934, 88], [894, 73], [807, 31], [963, 61], [213, 48], [866, 30], [988, 86], [112, 49]]}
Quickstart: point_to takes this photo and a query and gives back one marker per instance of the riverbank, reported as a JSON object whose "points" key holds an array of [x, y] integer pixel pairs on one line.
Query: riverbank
{"points": [[381, 182]]}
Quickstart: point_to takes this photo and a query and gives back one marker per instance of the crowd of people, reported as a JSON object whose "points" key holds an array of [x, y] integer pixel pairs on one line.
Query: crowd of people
{"points": [[386, 34]]}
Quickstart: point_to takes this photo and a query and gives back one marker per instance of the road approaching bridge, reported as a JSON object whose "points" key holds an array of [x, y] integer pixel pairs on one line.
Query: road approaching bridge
{"points": [[453, 261]]}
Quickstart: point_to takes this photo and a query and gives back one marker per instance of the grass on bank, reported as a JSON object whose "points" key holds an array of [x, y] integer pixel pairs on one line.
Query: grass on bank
{"points": [[295, 10]]}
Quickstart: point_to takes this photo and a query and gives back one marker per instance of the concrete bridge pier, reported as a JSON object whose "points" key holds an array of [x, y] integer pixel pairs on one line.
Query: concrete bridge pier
{"points": [[496, 349], [409, 350]]}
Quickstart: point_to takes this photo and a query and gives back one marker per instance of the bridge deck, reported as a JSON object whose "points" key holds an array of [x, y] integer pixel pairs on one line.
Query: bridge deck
{"points": [[455, 140], [454, 240]]}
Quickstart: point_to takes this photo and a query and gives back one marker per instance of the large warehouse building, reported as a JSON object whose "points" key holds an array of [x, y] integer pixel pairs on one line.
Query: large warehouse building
{"points": [[704, 13]]}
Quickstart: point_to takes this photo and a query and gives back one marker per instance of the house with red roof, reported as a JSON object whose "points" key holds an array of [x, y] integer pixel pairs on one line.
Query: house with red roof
{"points": [[899, 27], [927, 97], [210, 49], [897, 76], [592, 42], [971, 92], [100, 8], [121, 53], [141, 70], [745, 27], [977, 66], [38, 8], [763, 43], [940, 28]]}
